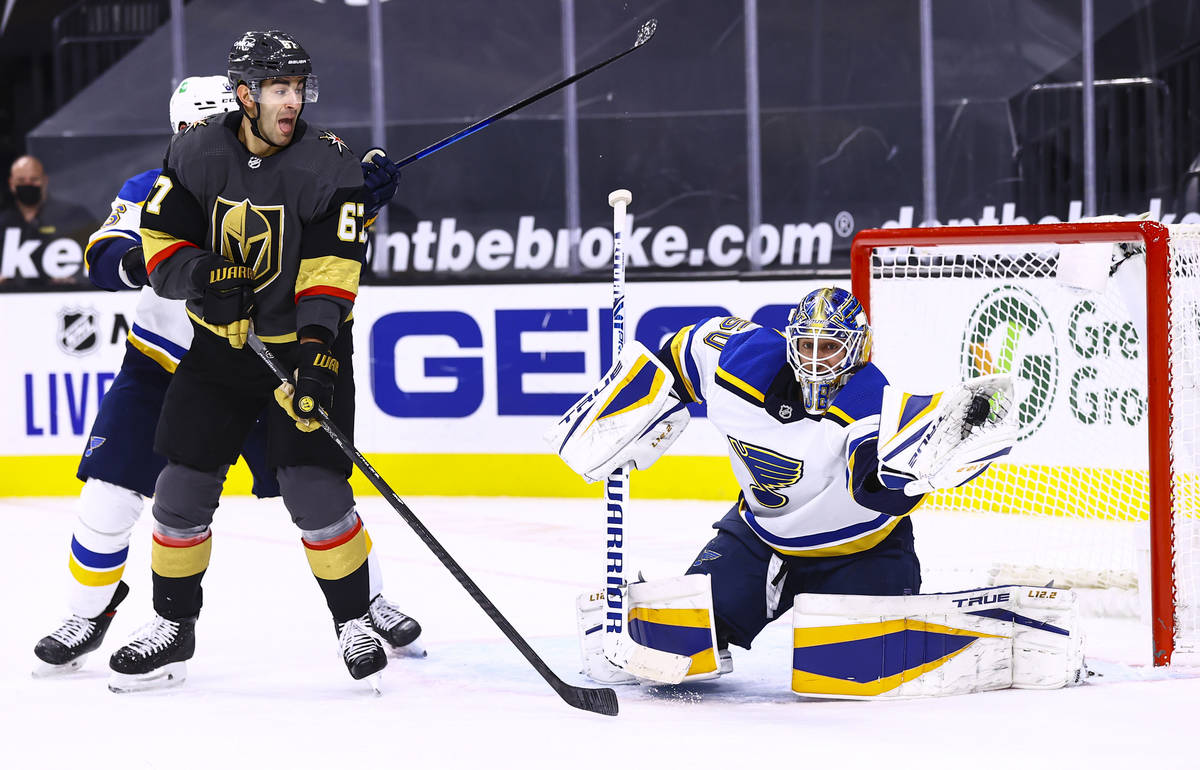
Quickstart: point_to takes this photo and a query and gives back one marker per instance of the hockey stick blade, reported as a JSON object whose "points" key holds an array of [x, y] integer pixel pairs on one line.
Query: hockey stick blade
{"points": [[600, 701], [645, 32]]}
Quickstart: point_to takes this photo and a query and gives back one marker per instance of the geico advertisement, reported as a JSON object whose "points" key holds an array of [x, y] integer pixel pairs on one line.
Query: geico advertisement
{"points": [[446, 369]]}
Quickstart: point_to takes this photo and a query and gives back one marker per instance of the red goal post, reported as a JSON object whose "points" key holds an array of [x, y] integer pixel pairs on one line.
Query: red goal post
{"points": [[984, 258]]}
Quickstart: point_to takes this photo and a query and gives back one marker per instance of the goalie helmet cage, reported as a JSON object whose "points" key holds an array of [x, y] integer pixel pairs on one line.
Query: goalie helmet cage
{"points": [[1106, 386]]}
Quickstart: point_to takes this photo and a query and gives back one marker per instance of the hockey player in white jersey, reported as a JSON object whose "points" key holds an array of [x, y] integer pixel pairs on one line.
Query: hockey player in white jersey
{"points": [[829, 458], [119, 466]]}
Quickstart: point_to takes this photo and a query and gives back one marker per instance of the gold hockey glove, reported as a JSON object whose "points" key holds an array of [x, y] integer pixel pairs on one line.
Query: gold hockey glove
{"points": [[316, 375], [228, 297]]}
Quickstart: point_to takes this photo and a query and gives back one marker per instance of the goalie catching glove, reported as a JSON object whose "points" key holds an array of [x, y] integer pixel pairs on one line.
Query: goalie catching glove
{"points": [[630, 417], [946, 439]]}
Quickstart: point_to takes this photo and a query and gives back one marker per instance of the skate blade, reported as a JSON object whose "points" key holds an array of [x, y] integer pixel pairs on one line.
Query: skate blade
{"points": [[170, 675], [413, 649], [375, 682], [44, 670]]}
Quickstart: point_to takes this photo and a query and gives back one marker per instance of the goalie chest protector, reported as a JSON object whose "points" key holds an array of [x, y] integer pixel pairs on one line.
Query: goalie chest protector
{"points": [[794, 476]]}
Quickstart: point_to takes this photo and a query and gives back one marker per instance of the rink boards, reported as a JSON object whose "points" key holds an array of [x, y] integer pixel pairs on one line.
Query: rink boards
{"points": [[455, 384]]}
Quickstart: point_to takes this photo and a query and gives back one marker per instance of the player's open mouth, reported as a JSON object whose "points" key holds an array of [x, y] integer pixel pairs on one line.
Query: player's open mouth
{"points": [[286, 125]]}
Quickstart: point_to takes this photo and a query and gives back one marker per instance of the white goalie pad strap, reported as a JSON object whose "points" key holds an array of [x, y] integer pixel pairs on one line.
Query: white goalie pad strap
{"points": [[630, 417], [945, 439], [873, 647]]}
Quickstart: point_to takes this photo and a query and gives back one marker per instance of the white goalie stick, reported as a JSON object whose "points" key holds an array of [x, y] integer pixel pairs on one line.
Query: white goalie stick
{"points": [[616, 486], [598, 700], [619, 648]]}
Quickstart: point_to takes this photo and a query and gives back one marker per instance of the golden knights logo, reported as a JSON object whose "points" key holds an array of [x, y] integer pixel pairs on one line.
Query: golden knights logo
{"points": [[334, 141], [770, 470], [78, 331], [250, 235], [195, 124]]}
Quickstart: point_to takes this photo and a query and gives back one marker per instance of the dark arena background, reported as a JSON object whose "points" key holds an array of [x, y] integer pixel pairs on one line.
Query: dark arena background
{"points": [[759, 139]]}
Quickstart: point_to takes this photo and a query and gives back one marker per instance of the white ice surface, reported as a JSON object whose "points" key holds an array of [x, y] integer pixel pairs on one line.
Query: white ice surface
{"points": [[267, 688]]}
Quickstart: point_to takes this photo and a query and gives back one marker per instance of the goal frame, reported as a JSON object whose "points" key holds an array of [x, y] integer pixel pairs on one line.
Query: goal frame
{"points": [[1156, 239]]}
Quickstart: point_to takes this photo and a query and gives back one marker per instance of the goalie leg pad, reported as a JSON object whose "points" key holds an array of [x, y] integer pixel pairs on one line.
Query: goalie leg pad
{"points": [[669, 635], [675, 616], [590, 609], [874, 647]]}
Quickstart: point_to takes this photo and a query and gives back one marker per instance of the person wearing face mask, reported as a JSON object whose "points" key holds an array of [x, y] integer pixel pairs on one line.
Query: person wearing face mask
{"points": [[43, 218]]}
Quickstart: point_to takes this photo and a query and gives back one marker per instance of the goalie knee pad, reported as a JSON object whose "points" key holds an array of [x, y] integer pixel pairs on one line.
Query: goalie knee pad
{"points": [[668, 637], [935, 644]]}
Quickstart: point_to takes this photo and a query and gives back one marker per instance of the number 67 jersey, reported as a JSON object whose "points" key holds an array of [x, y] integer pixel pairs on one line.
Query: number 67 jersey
{"points": [[808, 482], [296, 217]]}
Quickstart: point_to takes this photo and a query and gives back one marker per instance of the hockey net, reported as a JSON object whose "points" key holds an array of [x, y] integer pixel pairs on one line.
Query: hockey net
{"points": [[1100, 323]]}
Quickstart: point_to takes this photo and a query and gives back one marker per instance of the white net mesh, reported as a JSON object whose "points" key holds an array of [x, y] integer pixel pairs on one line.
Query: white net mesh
{"points": [[1071, 505]]}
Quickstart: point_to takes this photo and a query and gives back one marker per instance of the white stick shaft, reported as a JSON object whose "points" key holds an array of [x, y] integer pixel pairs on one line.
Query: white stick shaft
{"points": [[616, 486], [619, 200]]}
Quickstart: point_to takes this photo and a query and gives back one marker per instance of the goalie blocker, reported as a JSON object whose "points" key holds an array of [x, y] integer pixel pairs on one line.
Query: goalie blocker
{"points": [[630, 417], [867, 647]]}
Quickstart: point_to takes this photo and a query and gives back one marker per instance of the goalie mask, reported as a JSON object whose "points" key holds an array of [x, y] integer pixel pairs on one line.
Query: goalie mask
{"points": [[828, 339]]}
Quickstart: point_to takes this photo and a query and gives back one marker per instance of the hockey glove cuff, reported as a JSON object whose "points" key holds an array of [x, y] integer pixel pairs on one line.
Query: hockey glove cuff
{"points": [[380, 176], [284, 396], [228, 297]]}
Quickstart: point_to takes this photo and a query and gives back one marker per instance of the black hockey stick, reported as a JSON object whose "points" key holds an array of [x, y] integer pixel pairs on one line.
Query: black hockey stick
{"points": [[601, 701], [645, 32]]}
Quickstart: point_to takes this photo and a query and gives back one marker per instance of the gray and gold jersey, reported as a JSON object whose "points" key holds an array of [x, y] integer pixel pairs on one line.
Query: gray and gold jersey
{"points": [[296, 217]]}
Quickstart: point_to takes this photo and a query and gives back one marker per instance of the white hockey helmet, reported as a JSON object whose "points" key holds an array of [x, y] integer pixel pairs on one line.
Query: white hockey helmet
{"points": [[198, 98]]}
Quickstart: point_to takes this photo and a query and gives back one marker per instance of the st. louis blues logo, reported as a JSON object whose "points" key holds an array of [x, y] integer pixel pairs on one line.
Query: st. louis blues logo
{"points": [[707, 554], [334, 141], [770, 470], [94, 443]]}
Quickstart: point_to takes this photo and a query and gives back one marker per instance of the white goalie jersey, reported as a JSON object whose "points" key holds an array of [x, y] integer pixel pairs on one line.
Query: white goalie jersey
{"points": [[809, 485]]}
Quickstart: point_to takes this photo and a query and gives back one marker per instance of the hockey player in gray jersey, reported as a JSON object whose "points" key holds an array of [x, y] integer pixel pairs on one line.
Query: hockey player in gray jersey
{"points": [[256, 216], [119, 466]]}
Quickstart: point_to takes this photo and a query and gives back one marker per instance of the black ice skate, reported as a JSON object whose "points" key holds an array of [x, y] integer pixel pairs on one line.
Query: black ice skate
{"points": [[154, 657], [396, 629], [67, 647], [362, 651]]}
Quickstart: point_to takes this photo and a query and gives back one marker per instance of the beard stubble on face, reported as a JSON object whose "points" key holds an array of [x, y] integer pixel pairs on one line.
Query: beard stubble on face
{"points": [[278, 123]]}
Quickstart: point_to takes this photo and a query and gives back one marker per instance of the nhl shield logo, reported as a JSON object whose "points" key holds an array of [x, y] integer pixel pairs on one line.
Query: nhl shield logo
{"points": [[785, 412], [78, 332]]}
